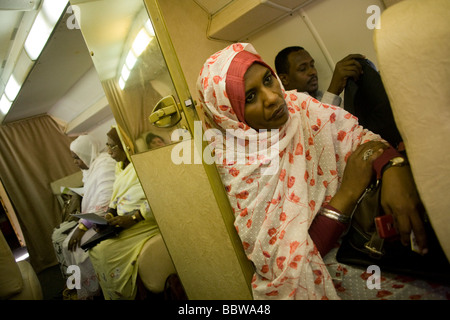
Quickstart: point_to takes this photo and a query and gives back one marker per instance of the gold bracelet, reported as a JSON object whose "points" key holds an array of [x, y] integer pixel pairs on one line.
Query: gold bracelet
{"points": [[109, 214], [136, 218], [334, 215], [82, 227]]}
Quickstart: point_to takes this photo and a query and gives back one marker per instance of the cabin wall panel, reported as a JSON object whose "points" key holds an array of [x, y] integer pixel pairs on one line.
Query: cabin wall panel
{"points": [[187, 24], [193, 227]]}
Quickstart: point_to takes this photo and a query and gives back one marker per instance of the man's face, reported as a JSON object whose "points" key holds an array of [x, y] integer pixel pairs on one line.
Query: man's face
{"points": [[302, 73]]}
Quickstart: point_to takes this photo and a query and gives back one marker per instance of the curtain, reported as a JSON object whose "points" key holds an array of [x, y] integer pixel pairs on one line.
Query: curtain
{"points": [[34, 153]]}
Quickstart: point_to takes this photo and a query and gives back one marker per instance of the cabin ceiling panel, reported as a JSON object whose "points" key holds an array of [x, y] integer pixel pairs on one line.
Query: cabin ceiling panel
{"points": [[10, 21], [63, 62]]}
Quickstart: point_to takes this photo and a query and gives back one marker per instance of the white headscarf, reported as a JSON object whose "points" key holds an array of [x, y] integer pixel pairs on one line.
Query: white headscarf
{"points": [[86, 148], [273, 212], [99, 178]]}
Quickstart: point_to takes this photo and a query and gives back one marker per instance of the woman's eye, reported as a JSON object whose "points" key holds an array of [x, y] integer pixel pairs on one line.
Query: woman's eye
{"points": [[250, 97], [268, 80]]}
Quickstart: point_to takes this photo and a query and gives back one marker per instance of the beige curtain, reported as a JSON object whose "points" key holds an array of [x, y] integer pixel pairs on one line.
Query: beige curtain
{"points": [[34, 153]]}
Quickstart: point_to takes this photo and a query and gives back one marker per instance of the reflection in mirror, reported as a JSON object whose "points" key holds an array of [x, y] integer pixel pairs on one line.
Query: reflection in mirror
{"points": [[132, 69]]}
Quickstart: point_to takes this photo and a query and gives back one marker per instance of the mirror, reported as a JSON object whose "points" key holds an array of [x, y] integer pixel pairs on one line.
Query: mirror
{"points": [[132, 69]]}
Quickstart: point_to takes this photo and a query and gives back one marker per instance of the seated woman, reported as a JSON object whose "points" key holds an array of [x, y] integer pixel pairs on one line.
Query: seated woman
{"points": [[154, 141], [98, 178], [114, 259], [292, 199]]}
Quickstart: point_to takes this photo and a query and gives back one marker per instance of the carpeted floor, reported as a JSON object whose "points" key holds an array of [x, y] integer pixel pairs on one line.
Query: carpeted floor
{"points": [[52, 283]]}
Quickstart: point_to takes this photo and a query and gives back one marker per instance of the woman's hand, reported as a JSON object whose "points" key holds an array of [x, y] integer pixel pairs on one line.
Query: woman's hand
{"points": [[75, 240], [357, 175], [124, 221], [400, 198]]}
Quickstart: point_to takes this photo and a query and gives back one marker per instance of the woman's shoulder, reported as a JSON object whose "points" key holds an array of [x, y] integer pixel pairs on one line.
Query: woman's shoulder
{"points": [[105, 161], [302, 103], [301, 99]]}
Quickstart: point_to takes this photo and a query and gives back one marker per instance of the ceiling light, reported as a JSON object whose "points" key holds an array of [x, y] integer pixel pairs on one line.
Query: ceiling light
{"points": [[125, 72], [131, 59], [12, 88], [121, 83], [148, 26], [43, 26], [141, 42], [53, 9], [5, 104]]}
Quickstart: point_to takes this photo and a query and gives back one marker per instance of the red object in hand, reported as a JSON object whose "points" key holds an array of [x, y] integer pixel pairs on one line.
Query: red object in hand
{"points": [[385, 226]]}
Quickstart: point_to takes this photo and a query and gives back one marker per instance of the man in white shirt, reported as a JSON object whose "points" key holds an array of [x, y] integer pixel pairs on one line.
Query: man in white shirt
{"points": [[296, 70]]}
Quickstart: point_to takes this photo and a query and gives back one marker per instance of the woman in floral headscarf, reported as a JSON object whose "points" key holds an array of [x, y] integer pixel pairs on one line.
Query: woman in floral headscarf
{"points": [[291, 199]]}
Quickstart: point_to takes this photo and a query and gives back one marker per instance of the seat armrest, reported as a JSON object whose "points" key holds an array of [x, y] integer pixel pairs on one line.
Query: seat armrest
{"points": [[155, 264]]}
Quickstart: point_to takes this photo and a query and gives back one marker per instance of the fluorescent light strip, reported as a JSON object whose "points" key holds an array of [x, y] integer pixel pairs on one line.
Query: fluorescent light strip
{"points": [[125, 72], [53, 9], [43, 26], [12, 88], [141, 42], [5, 104], [38, 36], [131, 59], [148, 26], [121, 83]]}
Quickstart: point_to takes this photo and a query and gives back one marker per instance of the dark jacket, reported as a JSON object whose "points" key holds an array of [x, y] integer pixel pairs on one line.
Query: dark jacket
{"points": [[367, 100]]}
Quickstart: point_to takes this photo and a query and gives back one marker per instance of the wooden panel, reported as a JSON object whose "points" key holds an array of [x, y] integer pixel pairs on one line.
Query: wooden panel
{"points": [[196, 227]]}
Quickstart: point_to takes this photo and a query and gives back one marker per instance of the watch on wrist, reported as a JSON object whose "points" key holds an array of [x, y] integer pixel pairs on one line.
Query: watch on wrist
{"points": [[136, 216], [396, 162]]}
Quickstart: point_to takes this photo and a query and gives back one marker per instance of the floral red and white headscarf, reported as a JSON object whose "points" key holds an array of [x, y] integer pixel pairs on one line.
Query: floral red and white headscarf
{"points": [[273, 211]]}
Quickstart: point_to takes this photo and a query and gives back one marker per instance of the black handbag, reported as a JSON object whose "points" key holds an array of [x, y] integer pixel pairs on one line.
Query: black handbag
{"points": [[362, 245]]}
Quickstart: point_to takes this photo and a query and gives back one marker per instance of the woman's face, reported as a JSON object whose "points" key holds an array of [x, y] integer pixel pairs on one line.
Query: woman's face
{"points": [[78, 162], [115, 151], [265, 107]]}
